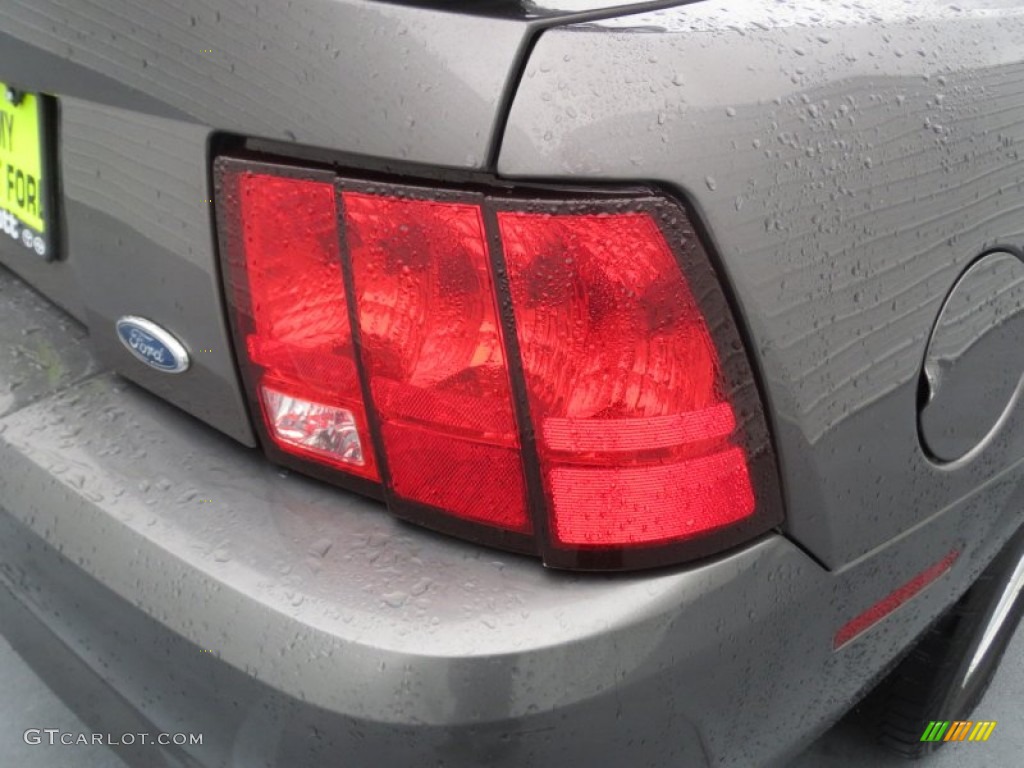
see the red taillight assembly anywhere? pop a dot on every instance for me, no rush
(559, 377)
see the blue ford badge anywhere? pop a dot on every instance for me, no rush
(152, 344)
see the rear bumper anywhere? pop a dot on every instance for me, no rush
(292, 624)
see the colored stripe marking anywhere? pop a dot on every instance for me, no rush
(864, 621)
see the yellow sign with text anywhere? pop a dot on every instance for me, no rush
(21, 159)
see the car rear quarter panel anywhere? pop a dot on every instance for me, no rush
(849, 162)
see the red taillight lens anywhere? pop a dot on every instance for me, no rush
(541, 376)
(623, 381)
(434, 357)
(290, 286)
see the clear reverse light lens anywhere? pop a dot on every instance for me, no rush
(324, 430)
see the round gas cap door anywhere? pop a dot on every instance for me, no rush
(975, 358)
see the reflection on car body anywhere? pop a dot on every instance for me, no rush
(552, 382)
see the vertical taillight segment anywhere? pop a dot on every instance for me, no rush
(561, 377)
(434, 358)
(287, 285)
(634, 429)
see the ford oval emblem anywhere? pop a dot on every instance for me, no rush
(152, 345)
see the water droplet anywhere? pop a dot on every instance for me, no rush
(320, 547)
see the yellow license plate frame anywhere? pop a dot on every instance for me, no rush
(26, 191)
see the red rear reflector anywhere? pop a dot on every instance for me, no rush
(864, 621)
(623, 381)
(299, 338)
(433, 353)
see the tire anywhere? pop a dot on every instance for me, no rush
(948, 671)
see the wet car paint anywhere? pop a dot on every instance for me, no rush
(192, 540)
(132, 531)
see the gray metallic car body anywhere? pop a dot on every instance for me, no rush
(848, 166)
